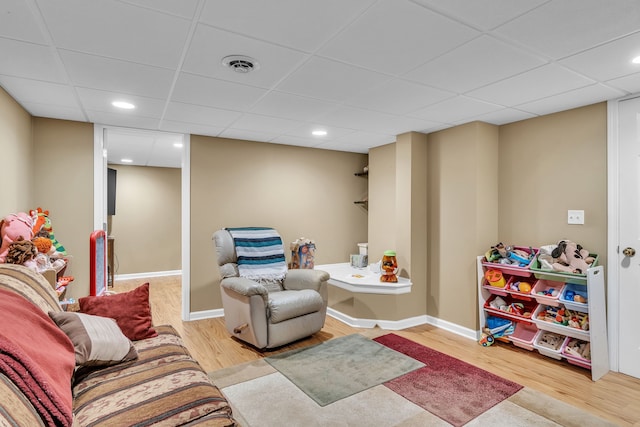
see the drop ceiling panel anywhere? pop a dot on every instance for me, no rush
(98, 72)
(192, 128)
(28, 60)
(54, 110)
(562, 28)
(247, 135)
(455, 109)
(210, 45)
(18, 22)
(183, 8)
(501, 117)
(100, 100)
(398, 96)
(541, 82)
(256, 123)
(292, 106)
(189, 113)
(192, 89)
(572, 99)
(483, 14)
(373, 121)
(124, 120)
(37, 91)
(630, 83)
(330, 80)
(481, 61)
(373, 40)
(333, 132)
(117, 30)
(301, 24)
(608, 61)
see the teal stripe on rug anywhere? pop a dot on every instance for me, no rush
(342, 367)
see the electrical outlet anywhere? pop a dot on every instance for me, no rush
(575, 217)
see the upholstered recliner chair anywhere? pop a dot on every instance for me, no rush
(265, 304)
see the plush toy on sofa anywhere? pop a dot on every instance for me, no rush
(571, 258)
(12, 227)
(22, 252)
(41, 222)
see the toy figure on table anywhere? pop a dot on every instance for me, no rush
(389, 267)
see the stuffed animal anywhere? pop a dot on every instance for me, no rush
(21, 252)
(12, 227)
(41, 222)
(43, 244)
(571, 258)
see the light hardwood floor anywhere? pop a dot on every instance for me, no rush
(615, 397)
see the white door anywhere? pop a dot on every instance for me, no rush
(628, 257)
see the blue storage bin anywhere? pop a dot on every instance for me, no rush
(567, 297)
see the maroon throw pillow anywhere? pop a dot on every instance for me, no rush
(131, 311)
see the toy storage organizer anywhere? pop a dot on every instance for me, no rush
(532, 333)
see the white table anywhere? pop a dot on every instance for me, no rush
(363, 280)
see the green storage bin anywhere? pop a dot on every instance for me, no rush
(557, 276)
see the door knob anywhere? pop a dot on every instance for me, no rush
(629, 252)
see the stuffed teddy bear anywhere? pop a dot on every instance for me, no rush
(22, 252)
(571, 258)
(12, 227)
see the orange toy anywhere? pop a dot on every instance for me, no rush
(495, 278)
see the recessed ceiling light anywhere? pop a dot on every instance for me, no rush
(126, 160)
(178, 144)
(319, 133)
(123, 104)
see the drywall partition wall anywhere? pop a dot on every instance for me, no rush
(551, 164)
(146, 226)
(16, 146)
(463, 217)
(302, 192)
(398, 221)
(63, 172)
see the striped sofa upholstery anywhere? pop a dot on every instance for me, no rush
(165, 386)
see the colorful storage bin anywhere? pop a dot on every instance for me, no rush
(548, 292)
(514, 269)
(549, 344)
(570, 297)
(523, 335)
(577, 352)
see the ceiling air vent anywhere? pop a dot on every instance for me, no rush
(240, 64)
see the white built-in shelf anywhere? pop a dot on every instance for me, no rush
(363, 280)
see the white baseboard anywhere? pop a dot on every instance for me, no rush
(206, 314)
(396, 325)
(148, 274)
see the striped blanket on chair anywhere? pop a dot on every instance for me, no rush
(260, 253)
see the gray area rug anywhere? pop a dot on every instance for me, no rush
(262, 396)
(342, 367)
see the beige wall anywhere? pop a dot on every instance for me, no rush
(63, 172)
(298, 191)
(16, 146)
(549, 165)
(146, 226)
(463, 217)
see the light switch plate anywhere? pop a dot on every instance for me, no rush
(575, 217)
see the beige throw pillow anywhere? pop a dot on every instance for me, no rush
(98, 341)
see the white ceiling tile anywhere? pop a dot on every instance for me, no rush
(342, 146)
(608, 61)
(294, 140)
(455, 109)
(210, 45)
(183, 8)
(333, 132)
(192, 89)
(97, 72)
(115, 119)
(629, 84)
(27, 90)
(394, 37)
(192, 128)
(28, 60)
(54, 110)
(18, 22)
(189, 113)
(373, 121)
(477, 63)
(563, 27)
(301, 24)
(117, 30)
(330, 80)
(500, 117)
(99, 100)
(291, 106)
(483, 14)
(572, 99)
(366, 139)
(247, 135)
(398, 96)
(268, 124)
(539, 83)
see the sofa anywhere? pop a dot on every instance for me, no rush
(63, 368)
